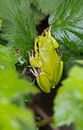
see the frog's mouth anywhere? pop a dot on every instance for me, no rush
(35, 71)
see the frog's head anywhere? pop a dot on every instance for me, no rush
(45, 40)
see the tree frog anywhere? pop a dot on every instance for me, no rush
(46, 63)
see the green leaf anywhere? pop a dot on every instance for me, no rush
(69, 101)
(46, 6)
(12, 89)
(15, 118)
(7, 58)
(67, 26)
(0, 24)
(38, 16)
(11, 86)
(10, 83)
(18, 24)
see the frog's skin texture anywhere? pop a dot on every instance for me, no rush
(46, 63)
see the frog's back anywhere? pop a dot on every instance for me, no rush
(50, 61)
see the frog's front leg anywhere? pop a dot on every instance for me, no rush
(34, 61)
(44, 82)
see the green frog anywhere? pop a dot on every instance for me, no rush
(46, 63)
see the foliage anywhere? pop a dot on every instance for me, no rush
(15, 118)
(0, 24)
(11, 86)
(67, 27)
(7, 58)
(38, 15)
(18, 24)
(46, 6)
(69, 101)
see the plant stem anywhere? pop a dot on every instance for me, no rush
(44, 122)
